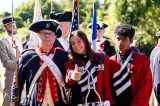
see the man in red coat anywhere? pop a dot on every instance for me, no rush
(131, 76)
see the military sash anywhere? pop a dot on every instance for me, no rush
(88, 84)
(64, 43)
(54, 69)
(121, 79)
(84, 78)
(37, 76)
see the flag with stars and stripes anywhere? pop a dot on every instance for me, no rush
(52, 8)
(75, 19)
(94, 28)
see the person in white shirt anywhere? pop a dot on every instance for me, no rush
(155, 67)
(65, 20)
(9, 52)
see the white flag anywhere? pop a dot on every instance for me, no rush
(34, 41)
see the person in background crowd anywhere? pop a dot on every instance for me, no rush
(155, 67)
(26, 43)
(43, 70)
(131, 76)
(155, 50)
(104, 44)
(65, 20)
(90, 79)
(135, 44)
(9, 51)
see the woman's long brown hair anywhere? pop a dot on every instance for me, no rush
(89, 52)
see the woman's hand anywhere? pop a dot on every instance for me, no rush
(76, 75)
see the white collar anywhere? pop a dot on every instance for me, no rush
(64, 43)
(9, 38)
(61, 38)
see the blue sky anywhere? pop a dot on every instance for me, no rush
(6, 5)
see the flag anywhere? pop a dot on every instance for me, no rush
(75, 19)
(94, 28)
(34, 41)
(52, 8)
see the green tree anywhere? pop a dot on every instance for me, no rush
(143, 15)
(25, 12)
(4, 14)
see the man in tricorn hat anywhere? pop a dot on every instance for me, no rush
(42, 70)
(131, 76)
(155, 67)
(65, 20)
(103, 43)
(8, 49)
(135, 45)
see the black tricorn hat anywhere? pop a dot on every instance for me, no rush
(62, 17)
(51, 25)
(8, 20)
(100, 25)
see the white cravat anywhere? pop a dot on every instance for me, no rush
(99, 43)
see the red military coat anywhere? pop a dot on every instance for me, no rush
(141, 78)
(103, 85)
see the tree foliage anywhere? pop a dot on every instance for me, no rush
(142, 14)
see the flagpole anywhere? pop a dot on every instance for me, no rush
(12, 17)
(51, 5)
(78, 11)
(73, 10)
(16, 99)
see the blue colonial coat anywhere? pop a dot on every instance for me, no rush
(28, 66)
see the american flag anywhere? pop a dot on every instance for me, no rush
(52, 8)
(94, 28)
(75, 19)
